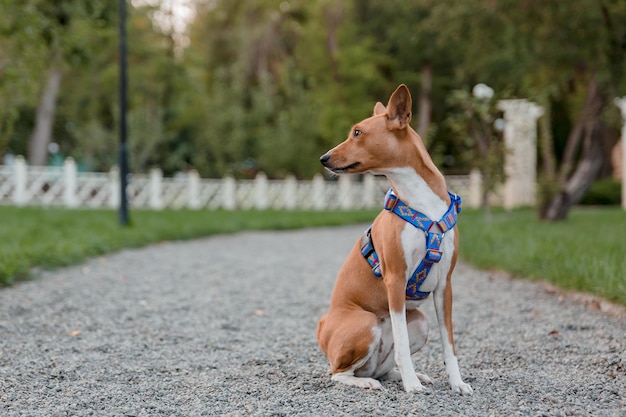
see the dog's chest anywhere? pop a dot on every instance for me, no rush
(414, 247)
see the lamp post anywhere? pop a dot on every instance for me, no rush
(123, 149)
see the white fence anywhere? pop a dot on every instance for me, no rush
(64, 186)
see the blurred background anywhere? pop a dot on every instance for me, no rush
(239, 86)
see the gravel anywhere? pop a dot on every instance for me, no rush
(226, 326)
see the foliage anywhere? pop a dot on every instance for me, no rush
(604, 192)
(36, 237)
(272, 84)
(586, 253)
(474, 128)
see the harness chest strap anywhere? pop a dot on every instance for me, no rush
(433, 240)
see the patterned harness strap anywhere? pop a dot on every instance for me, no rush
(433, 240)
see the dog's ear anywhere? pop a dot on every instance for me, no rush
(399, 108)
(379, 108)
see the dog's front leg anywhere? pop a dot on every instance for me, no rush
(402, 349)
(443, 309)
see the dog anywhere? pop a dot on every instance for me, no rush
(373, 324)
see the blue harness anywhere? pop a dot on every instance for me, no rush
(433, 240)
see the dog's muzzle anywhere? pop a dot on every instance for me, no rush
(324, 159)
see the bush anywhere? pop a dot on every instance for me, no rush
(605, 192)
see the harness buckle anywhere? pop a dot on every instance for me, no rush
(391, 200)
(369, 253)
(432, 255)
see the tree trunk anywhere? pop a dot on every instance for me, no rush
(584, 175)
(592, 108)
(333, 13)
(425, 101)
(42, 133)
(590, 131)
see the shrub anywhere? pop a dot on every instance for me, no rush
(604, 192)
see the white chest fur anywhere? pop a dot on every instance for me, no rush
(414, 247)
(413, 190)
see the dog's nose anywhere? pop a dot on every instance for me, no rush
(324, 159)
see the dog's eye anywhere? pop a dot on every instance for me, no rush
(357, 132)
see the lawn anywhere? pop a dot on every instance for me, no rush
(585, 253)
(40, 237)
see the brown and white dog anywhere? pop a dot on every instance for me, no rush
(371, 329)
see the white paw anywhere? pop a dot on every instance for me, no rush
(425, 379)
(462, 388)
(368, 383)
(415, 386)
(393, 375)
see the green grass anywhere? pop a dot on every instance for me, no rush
(39, 237)
(585, 253)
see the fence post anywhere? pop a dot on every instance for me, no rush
(69, 182)
(156, 189)
(369, 191)
(20, 178)
(260, 191)
(475, 188)
(114, 186)
(229, 189)
(318, 192)
(345, 193)
(291, 192)
(193, 189)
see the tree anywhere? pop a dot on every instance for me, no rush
(598, 72)
(475, 127)
(21, 62)
(547, 51)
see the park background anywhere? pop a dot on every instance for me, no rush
(234, 88)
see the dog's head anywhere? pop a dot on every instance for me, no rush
(378, 143)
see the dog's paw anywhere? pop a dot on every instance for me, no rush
(425, 378)
(371, 383)
(413, 386)
(393, 375)
(462, 388)
(367, 383)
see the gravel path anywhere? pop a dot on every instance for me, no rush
(226, 326)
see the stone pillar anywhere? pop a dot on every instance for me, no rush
(520, 139)
(475, 192)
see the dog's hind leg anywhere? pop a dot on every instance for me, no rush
(351, 341)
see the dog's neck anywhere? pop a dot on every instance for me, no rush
(420, 185)
(411, 188)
